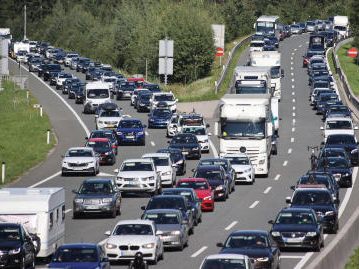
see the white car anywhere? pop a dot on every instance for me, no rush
(132, 236)
(108, 119)
(202, 136)
(60, 79)
(164, 166)
(243, 168)
(69, 58)
(338, 125)
(80, 160)
(138, 175)
(166, 97)
(179, 120)
(256, 45)
(226, 261)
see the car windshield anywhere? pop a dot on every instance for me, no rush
(333, 163)
(295, 218)
(69, 255)
(164, 97)
(130, 124)
(250, 89)
(54, 67)
(8, 233)
(339, 124)
(340, 139)
(250, 129)
(166, 113)
(196, 185)
(160, 161)
(209, 174)
(133, 229)
(247, 241)
(224, 264)
(98, 145)
(312, 198)
(327, 97)
(98, 93)
(65, 76)
(238, 160)
(222, 163)
(184, 139)
(145, 97)
(338, 109)
(183, 193)
(194, 130)
(166, 203)
(110, 113)
(163, 218)
(102, 135)
(333, 153)
(321, 84)
(275, 72)
(79, 153)
(95, 188)
(136, 166)
(314, 180)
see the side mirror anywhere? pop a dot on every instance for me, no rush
(193, 170)
(207, 125)
(168, 142)
(159, 232)
(292, 188)
(356, 127)
(86, 138)
(282, 73)
(220, 245)
(321, 128)
(184, 222)
(96, 116)
(271, 222)
(288, 200)
(116, 171)
(143, 207)
(108, 233)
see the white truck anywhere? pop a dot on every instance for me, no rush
(40, 210)
(341, 25)
(21, 46)
(272, 60)
(246, 126)
(257, 80)
(96, 93)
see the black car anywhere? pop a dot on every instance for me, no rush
(125, 89)
(333, 152)
(338, 111)
(109, 134)
(322, 101)
(189, 145)
(34, 64)
(51, 70)
(178, 159)
(143, 102)
(97, 195)
(339, 167)
(17, 249)
(103, 147)
(217, 179)
(346, 141)
(66, 85)
(81, 63)
(297, 228)
(172, 202)
(255, 244)
(76, 91)
(319, 199)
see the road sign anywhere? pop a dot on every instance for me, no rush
(218, 35)
(219, 52)
(353, 52)
(166, 48)
(165, 60)
(162, 66)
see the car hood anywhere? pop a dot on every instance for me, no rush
(317, 208)
(203, 193)
(240, 168)
(8, 245)
(168, 227)
(136, 174)
(78, 159)
(127, 130)
(109, 118)
(183, 146)
(163, 168)
(159, 118)
(131, 239)
(93, 196)
(294, 227)
(202, 137)
(74, 265)
(250, 252)
(334, 170)
(338, 131)
(215, 183)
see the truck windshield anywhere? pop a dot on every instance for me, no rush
(248, 129)
(264, 26)
(340, 28)
(251, 89)
(98, 93)
(275, 72)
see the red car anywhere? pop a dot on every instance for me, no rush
(103, 147)
(202, 189)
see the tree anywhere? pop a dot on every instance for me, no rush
(354, 20)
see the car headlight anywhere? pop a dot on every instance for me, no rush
(149, 245)
(64, 162)
(119, 133)
(275, 234)
(120, 178)
(347, 174)
(262, 259)
(196, 148)
(79, 201)
(180, 162)
(207, 198)
(107, 153)
(14, 251)
(111, 246)
(168, 173)
(219, 188)
(176, 232)
(140, 133)
(329, 213)
(247, 170)
(106, 200)
(148, 178)
(311, 234)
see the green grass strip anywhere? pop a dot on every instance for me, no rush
(350, 68)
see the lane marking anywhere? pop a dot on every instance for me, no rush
(291, 68)
(68, 210)
(293, 53)
(292, 74)
(295, 49)
(289, 151)
(153, 144)
(293, 93)
(285, 163)
(292, 140)
(293, 129)
(293, 100)
(293, 86)
(300, 46)
(146, 133)
(291, 257)
(198, 252)
(292, 79)
(293, 107)
(213, 147)
(293, 114)
(267, 190)
(291, 62)
(254, 204)
(230, 226)
(46, 179)
(102, 174)
(277, 177)
(293, 121)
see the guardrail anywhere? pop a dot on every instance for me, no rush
(225, 66)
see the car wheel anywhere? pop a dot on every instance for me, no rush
(317, 247)
(114, 213)
(75, 215)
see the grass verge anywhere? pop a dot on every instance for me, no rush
(353, 262)
(350, 68)
(23, 132)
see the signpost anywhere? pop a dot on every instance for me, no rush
(218, 36)
(165, 60)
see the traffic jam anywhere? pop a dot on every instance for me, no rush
(248, 128)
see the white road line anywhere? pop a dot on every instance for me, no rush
(198, 252)
(291, 68)
(254, 204)
(153, 144)
(230, 226)
(277, 177)
(300, 46)
(289, 151)
(146, 133)
(267, 190)
(45, 180)
(293, 100)
(102, 174)
(293, 107)
(285, 163)
(293, 120)
(293, 86)
(293, 53)
(292, 140)
(291, 257)
(213, 147)
(68, 210)
(291, 62)
(293, 114)
(293, 93)
(293, 129)
(292, 79)
(292, 74)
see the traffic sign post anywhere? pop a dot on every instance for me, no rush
(219, 53)
(165, 60)
(353, 52)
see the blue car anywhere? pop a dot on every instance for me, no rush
(80, 256)
(159, 118)
(132, 131)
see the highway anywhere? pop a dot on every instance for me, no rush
(249, 207)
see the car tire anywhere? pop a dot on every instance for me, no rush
(75, 215)
(113, 213)
(94, 172)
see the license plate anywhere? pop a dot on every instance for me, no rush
(92, 207)
(294, 240)
(130, 137)
(111, 126)
(185, 153)
(131, 182)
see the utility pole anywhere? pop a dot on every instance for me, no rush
(25, 22)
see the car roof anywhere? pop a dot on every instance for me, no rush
(339, 118)
(79, 245)
(239, 232)
(226, 256)
(212, 167)
(156, 154)
(192, 179)
(147, 160)
(296, 209)
(97, 180)
(164, 210)
(177, 190)
(167, 196)
(135, 221)
(214, 159)
(79, 148)
(131, 119)
(98, 139)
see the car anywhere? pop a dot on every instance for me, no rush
(315, 94)
(108, 116)
(178, 159)
(178, 121)
(226, 261)
(328, 105)
(81, 255)
(81, 63)
(80, 160)
(143, 102)
(131, 236)
(109, 134)
(338, 111)
(338, 125)
(97, 196)
(59, 79)
(340, 168)
(202, 136)
(256, 244)
(136, 93)
(34, 64)
(17, 249)
(125, 89)
(131, 130)
(188, 144)
(172, 202)
(171, 227)
(346, 141)
(76, 91)
(242, 166)
(167, 97)
(138, 175)
(67, 84)
(323, 99)
(217, 179)
(333, 152)
(164, 166)
(226, 164)
(192, 199)
(297, 228)
(159, 118)
(320, 199)
(69, 57)
(203, 191)
(103, 147)
(51, 71)
(296, 29)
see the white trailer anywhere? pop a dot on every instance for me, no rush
(246, 126)
(40, 210)
(341, 25)
(23, 46)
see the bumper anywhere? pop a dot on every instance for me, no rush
(307, 242)
(10, 261)
(101, 208)
(207, 205)
(142, 107)
(218, 195)
(153, 124)
(171, 241)
(137, 187)
(123, 255)
(106, 159)
(243, 177)
(166, 180)
(191, 154)
(77, 170)
(204, 146)
(138, 139)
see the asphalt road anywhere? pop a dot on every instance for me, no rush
(249, 207)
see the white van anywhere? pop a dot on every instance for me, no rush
(96, 93)
(40, 210)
